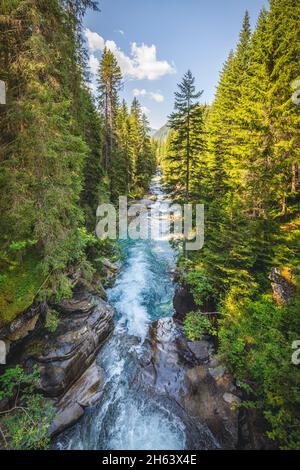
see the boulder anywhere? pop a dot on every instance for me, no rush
(216, 372)
(83, 304)
(200, 349)
(64, 356)
(21, 327)
(181, 370)
(110, 266)
(183, 301)
(231, 399)
(84, 393)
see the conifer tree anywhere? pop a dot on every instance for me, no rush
(109, 83)
(186, 123)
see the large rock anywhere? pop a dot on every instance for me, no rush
(21, 327)
(64, 356)
(183, 301)
(83, 304)
(173, 366)
(84, 393)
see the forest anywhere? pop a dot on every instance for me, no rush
(65, 150)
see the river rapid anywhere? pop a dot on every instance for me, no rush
(130, 416)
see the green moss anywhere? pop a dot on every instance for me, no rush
(33, 348)
(18, 288)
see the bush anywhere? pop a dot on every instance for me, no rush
(201, 287)
(27, 416)
(256, 343)
(196, 325)
(52, 321)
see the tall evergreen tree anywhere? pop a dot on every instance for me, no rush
(186, 122)
(109, 83)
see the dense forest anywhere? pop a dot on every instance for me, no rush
(64, 150)
(240, 157)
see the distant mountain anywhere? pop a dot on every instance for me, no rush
(153, 132)
(162, 133)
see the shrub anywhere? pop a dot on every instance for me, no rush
(197, 325)
(27, 416)
(52, 321)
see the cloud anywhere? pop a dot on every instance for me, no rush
(120, 31)
(145, 110)
(146, 64)
(142, 62)
(158, 97)
(95, 41)
(92, 87)
(93, 64)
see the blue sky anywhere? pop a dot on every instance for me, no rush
(156, 42)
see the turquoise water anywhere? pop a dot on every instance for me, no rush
(128, 416)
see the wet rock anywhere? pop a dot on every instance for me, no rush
(84, 393)
(231, 399)
(21, 327)
(99, 290)
(110, 266)
(200, 349)
(183, 301)
(81, 305)
(179, 370)
(217, 372)
(64, 356)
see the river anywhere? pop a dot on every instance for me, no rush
(128, 416)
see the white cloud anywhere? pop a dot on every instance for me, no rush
(142, 62)
(158, 97)
(136, 92)
(120, 31)
(146, 64)
(95, 41)
(145, 110)
(93, 64)
(93, 87)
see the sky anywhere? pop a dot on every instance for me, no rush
(157, 41)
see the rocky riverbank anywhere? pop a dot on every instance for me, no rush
(65, 358)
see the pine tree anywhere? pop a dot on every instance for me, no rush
(121, 166)
(186, 123)
(285, 49)
(43, 150)
(109, 83)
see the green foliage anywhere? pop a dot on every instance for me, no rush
(52, 321)
(200, 285)
(25, 420)
(256, 342)
(197, 325)
(186, 143)
(246, 172)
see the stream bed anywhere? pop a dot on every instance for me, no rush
(131, 415)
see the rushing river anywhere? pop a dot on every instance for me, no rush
(127, 416)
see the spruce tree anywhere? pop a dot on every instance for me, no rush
(109, 83)
(186, 123)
